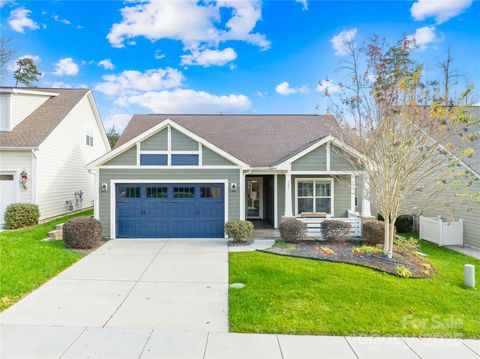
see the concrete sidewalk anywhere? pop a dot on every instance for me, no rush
(36, 342)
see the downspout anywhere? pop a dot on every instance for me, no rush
(34, 176)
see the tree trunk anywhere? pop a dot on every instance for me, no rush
(389, 236)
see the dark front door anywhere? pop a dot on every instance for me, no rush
(177, 210)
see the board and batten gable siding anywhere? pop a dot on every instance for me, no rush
(156, 142)
(126, 158)
(22, 105)
(63, 159)
(315, 160)
(469, 212)
(181, 142)
(18, 161)
(171, 174)
(211, 158)
(341, 195)
(342, 161)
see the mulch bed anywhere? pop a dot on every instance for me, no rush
(343, 253)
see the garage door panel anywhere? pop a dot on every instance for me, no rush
(170, 210)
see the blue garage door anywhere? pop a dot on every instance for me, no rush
(170, 210)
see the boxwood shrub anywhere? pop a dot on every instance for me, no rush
(240, 231)
(292, 230)
(82, 233)
(335, 231)
(403, 224)
(18, 215)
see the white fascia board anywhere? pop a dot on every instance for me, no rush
(158, 128)
(28, 92)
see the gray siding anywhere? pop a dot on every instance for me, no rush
(342, 161)
(180, 142)
(210, 158)
(157, 142)
(127, 158)
(232, 175)
(341, 196)
(315, 160)
(281, 197)
(469, 212)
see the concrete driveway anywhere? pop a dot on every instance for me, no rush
(159, 284)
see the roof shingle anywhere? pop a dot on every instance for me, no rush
(259, 140)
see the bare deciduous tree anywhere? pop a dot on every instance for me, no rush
(407, 129)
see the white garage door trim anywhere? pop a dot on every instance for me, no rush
(16, 191)
(113, 184)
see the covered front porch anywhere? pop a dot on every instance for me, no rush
(309, 197)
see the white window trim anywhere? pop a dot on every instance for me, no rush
(113, 192)
(319, 179)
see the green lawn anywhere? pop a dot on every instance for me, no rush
(26, 262)
(299, 296)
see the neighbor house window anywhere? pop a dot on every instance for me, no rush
(314, 196)
(89, 137)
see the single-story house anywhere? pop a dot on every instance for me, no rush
(47, 138)
(187, 175)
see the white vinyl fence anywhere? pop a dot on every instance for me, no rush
(444, 233)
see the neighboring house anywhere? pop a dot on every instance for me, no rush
(186, 175)
(466, 187)
(47, 138)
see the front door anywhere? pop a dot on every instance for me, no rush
(254, 198)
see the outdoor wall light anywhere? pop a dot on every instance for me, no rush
(104, 187)
(233, 187)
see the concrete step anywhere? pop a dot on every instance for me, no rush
(59, 227)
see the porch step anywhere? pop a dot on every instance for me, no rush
(56, 234)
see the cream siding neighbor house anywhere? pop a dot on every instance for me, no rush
(48, 136)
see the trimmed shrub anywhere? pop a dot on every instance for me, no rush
(335, 231)
(404, 224)
(374, 231)
(292, 230)
(82, 233)
(240, 231)
(18, 215)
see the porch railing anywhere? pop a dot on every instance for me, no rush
(314, 225)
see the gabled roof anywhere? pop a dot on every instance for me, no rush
(259, 140)
(34, 129)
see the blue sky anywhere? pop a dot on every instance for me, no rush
(224, 56)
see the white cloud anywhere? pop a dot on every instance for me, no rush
(209, 57)
(158, 54)
(119, 120)
(304, 4)
(60, 20)
(186, 101)
(66, 67)
(261, 93)
(19, 20)
(284, 89)
(328, 87)
(132, 82)
(189, 21)
(441, 10)
(106, 64)
(5, 2)
(340, 42)
(424, 36)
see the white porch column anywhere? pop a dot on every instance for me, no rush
(366, 212)
(243, 194)
(288, 195)
(275, 201)
(352, 193)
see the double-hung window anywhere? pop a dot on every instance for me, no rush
(314, 195)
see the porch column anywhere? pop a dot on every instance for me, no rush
(352, 193)
(366, 199)
(275, 201)
(288, 195)
(243, 193)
